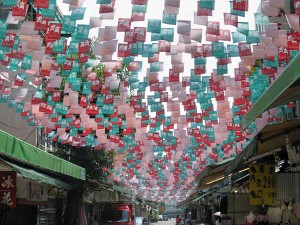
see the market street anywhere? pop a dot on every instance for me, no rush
(131, 112)
(169, 222)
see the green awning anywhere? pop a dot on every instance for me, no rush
(37, 176)
(249, 151)
(284, 89)
(14, 147)
(203, 195)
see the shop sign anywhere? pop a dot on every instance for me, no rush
(35, 192)
(262, 184)
(8, 188)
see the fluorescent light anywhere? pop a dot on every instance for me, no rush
(243, 170)
(215, 180)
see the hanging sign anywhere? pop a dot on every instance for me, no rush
(8, 188)
(35, 192)
(262, 184)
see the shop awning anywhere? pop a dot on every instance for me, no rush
(284, 89)
(191, 197)
(249, 151)
(37, 176)
(216, 174)
(269, 139)
(213, 190)
(122, 190)
(273, 136)
(16, 148)
(216, 167)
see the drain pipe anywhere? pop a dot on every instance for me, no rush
(298, 109)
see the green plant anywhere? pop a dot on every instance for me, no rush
(97, 163)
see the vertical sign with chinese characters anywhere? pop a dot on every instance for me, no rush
(8, 189)
(262, 184)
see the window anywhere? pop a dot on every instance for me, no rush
(111, 215)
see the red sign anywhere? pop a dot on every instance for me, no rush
(129, 36)
(199, 69)
(41, 3)
(1, 83)
(139, 2)
(124, 24)
(18, 81)
(244, 49)
(6, 60)
(107, 8)
(224, 35)
(230, 19)
(164, 46)
(173, 77)
(203, 11)
(9, 40)
(241, 5)
(207, 50)
(92, 109)
(83, 58)
(123, 50)
(213, 27)
(84, 46)
(41, 23)
(53, 31)
(136, 16)
(6, 90)
(8, 189)
(17, 53)
(140, 34)
(20, 9)
(37, 80)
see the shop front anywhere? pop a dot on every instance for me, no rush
(265, 175)
(34, 198)
(263, 179)
(201, 206)
(33, 183)
(270, 178)
(103, 193)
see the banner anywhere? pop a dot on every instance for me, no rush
(262, 184)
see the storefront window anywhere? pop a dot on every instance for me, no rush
(115, 216)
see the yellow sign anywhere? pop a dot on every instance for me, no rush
(262, 184)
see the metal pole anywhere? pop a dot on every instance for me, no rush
(298, 108)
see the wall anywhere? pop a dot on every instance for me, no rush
(39, 191)
(10, 121)
(287, 186)
(239, 207)
(142, 214)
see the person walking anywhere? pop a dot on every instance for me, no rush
(178, 220)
